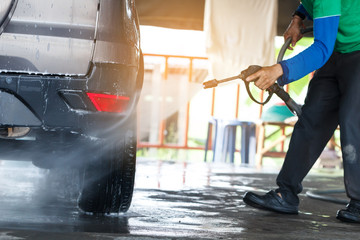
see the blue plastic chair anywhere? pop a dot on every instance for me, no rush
(225, 137)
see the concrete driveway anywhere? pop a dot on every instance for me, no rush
(171, 201)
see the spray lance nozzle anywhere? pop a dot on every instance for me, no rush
(243, 75)
(210, 84)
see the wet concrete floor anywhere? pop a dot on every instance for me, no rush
(171, 201)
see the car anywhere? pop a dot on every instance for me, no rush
(71, 73)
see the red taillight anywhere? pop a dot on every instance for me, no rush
(109, 103)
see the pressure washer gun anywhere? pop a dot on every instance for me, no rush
(275, 88)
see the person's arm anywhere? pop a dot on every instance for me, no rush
(295, 26)
(314, 57)
(302, 13)
(325, 31)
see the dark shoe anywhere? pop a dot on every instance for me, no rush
(350, 214)
(270, 201)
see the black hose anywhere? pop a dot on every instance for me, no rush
(290, 103)
(322, 195)
(287, 44)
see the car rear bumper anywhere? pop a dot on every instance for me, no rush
(60, 103)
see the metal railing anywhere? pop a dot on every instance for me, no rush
(183, 145)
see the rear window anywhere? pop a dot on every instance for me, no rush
(49, 36)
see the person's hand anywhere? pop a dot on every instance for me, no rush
(294, 31)
(266, 76)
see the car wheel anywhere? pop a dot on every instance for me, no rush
(108, 182)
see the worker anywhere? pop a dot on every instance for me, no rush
(333, 99)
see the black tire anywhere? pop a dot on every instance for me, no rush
(108, 182)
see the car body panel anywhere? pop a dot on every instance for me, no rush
(98, 52)
(41, 32)
(50, 70)
(116, 31)
(71, 72)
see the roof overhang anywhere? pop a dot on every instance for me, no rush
(189, 14)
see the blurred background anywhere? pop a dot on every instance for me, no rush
(190, 41)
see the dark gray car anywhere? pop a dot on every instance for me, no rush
(71, 72)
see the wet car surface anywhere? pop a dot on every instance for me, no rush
(71, 74)
(171, 201)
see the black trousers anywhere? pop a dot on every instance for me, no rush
(333, 99)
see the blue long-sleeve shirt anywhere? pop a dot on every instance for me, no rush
(314, 57)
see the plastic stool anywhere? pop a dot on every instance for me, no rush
(224, 140)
